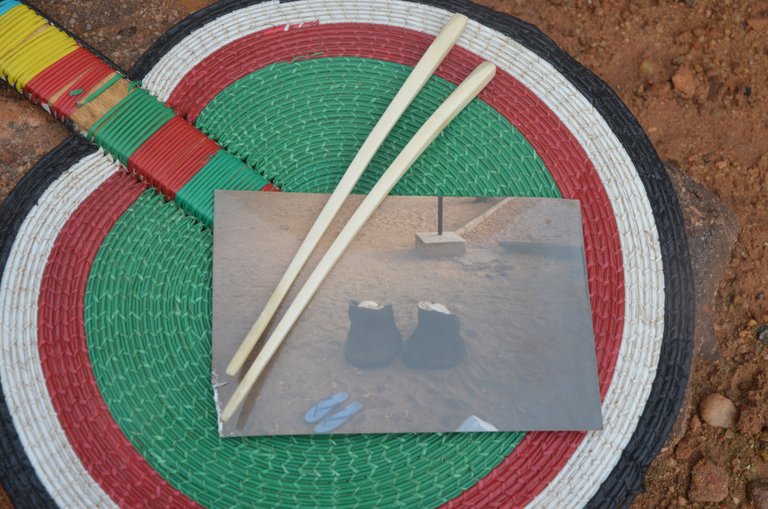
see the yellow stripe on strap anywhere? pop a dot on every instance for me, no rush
(28, 45)
(16, 25)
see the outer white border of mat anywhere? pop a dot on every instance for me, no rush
(26, 394)
(57, 465)
(635, 370)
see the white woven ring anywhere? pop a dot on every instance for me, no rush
(26, 393)
(633, 377)
(575, 484)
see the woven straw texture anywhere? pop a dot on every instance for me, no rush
(105, 294)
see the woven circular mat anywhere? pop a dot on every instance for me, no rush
(106, 288)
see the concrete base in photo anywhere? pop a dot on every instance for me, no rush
(433, 245)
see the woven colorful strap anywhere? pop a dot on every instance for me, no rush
(52, 69)
(105, 294)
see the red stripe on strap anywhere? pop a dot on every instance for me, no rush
(95, 437)
(172, 156)
(79, 71)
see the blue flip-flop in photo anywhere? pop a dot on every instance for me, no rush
(332, 422)
(323, 407)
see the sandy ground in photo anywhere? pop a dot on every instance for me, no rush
(523, 309)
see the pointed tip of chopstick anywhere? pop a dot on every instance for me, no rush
(237, 361)
(226, 414)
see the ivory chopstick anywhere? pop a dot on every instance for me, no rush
(431, 59)
(434, 125)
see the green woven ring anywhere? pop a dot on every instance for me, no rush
(148, 313)
(299, 123)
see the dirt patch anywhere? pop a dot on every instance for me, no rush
(712, 121)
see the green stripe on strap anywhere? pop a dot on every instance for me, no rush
(223, 171)
(129, 123)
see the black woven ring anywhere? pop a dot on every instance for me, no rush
(625, 481)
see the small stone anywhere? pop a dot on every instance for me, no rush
(718, 411)
(751, 420)
(709, 483)
(695, 425)
(35, 121)
(127, 32)
(682, 501)
(758, 492)
(8, 155)
(650, 71)
(684, 82)
(743, 379)
(762, 334)
(683, 451)
(758, 23)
